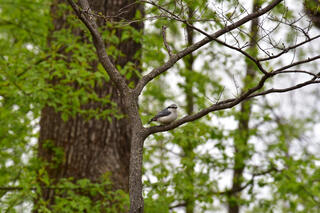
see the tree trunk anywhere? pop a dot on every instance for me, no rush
(95, 147)
(188, 149)
(241, 141)
(136, 199)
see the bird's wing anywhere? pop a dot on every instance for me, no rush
(162, 113)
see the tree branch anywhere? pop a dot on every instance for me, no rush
(177, 205)
(90, 22)
(229, 103)
(306, 83)
(215, 39)
(164, 36)
(157, 71)
(297, 63)
(288, 49)
(226, 104)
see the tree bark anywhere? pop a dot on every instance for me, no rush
(139, 134)
(135, 181)
(95, 147)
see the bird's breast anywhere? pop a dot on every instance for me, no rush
(167, 119)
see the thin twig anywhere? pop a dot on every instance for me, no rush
(285, 50)
(163, 29)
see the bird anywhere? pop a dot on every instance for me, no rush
(167, 115)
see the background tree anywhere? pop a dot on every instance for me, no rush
(96, 146)
(241, 138)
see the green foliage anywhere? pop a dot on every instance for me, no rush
(70, 196)
(32, 76)
(22, 39)
(80, 197)
(312, 6)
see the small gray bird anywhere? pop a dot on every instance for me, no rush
(167, 115)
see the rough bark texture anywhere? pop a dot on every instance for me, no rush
(93, 147)
(136, 199)
(241, 141)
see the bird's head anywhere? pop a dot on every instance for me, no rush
(172, 107)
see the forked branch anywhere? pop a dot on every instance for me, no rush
(251, 93)
(83, 12)
(176, 57)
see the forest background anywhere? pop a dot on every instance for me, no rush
(79, 81)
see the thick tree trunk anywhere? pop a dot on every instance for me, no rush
(94, 147)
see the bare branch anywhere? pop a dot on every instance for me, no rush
(297, 63)
(178, 205)
(306, 83)
(163, 29)
(215, 107)
(296, 71)
(157, 71)
(229, 103)
(285, 50)
(225, 44)
(89, 21)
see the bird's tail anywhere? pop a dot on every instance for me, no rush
(153, 119)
